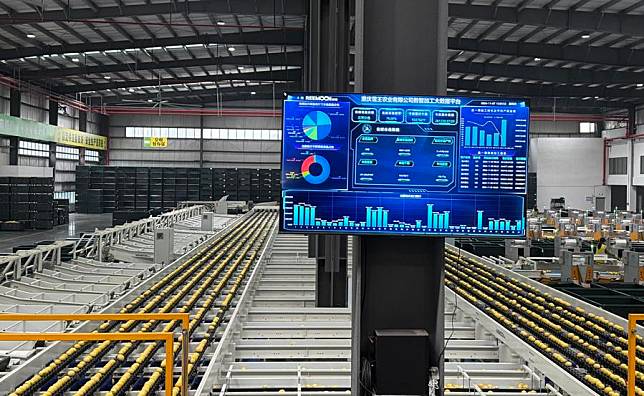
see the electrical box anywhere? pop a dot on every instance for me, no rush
(163, 246)
(221, 206)
(207, 221)
(401, 362)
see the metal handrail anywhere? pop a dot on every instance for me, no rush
(632, 343)
(167, 337)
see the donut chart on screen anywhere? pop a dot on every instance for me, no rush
(316, 125)
(318, 176)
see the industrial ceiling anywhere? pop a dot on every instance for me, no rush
(567, 55)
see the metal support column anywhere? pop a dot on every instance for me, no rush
(53, 112)
(82, 121)
(53, 120)
(15, 102)
(52, 158)
(103, 129)
(14, 142)
(201, 141)
(401, 47)
(328, 70)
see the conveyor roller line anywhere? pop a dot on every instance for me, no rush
(198, 354)
(206, 305)
(153, 297)
(144, 357)
(206, 280)
(518, 306)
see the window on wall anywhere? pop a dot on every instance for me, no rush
(91, 156)
(617, 166)
(208, 133)
(172, 133)
(33, 149)
(67, 153)
(242, 134)
(587, 127)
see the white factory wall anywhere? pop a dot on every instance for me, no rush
(618, 149)
(633, 150)
(217, 153)
(35, 107)
(564, 169)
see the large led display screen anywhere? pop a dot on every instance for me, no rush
(410, 165)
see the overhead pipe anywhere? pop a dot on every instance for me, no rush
(575, 117)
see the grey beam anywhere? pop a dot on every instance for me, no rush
(570, 105)
(278, 75)
(268, 37)
(542, 73)
(547, 90)
(274, 59)
(571, 53)
(241, 7)
(616, 23)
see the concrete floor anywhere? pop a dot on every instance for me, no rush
(78, 223)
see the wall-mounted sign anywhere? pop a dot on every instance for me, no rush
(155, 142)
(26, 129)
(72, 137)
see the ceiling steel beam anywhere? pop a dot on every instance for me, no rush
(208, 93)
(571, 53)
(609, 22)
(274, 59)
(542, 73)
(548, 90)
(279, 75)
(240, 7)
(269, 37)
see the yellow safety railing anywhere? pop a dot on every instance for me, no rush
(632, 342)
(166, 337)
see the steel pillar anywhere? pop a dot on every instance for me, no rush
(327, 70)
(53, 112)
(82, 121)
(401, 47)
(15, 102)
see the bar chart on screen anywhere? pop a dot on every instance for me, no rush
(492, 128)
(422, 218)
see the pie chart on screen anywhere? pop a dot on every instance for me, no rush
(316, 125)
(315, 169)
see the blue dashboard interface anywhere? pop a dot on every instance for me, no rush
(412, 165)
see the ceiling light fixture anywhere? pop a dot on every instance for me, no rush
(221, 23)
(537, 59)
(31, 36)
(149, 100)
(585, 36)
(75, 60)
(131, 90)
(231, 49)
(253, 93)
(640, 85)
(107, 77)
